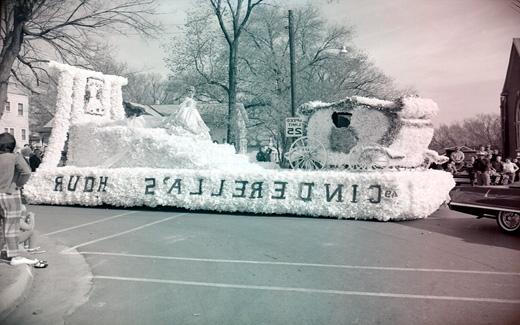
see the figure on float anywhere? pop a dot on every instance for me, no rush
(185, 122)
(188, 118)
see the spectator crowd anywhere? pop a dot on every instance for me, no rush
(487, 167)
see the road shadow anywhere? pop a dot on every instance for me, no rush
(466, 227)
(443, 221)
(172, 209)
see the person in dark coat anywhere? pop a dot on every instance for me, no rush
(35, 160)
(262, 154)
(482, 167)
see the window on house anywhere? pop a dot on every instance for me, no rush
(24, 134)
(20, 109)
(11, 130)
(6, 129)
(7, 106)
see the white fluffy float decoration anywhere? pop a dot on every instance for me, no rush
(119, 162)
(368, 195)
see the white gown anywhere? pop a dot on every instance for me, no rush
(188, 119)
(186, 122)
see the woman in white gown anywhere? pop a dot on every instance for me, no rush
(188, 119)
(186, 122)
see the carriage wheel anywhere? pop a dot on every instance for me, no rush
(307, 154)
(373, 157)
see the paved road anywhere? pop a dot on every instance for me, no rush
(181, 267)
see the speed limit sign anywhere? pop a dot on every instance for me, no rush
(293, 127)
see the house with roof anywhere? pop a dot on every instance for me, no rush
(510, 103)
(15, 119)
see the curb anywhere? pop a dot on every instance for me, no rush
(15, 293)
(57, 290)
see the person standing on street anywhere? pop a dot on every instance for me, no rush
(26, 153)
(35, 160)
(14, 173)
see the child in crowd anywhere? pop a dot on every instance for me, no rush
(26, 236)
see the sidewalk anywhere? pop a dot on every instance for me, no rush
(15, 283)
(44, 296)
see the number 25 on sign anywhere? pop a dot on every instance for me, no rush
(293, 127)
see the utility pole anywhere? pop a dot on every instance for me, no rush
(291, 56)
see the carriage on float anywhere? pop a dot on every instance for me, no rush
(361, 134)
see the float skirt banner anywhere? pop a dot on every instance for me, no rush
(388, 195)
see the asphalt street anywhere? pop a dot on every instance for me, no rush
(171, 266)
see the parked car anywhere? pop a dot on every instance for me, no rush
(498, 202)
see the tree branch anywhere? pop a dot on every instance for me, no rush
(216, 4)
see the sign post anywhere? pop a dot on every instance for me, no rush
(293, 127)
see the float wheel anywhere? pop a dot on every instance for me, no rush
(305, 153)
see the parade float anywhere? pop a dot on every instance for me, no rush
(359, 158)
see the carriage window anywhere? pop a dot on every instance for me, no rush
(341, 119)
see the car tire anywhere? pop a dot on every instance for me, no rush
(509, 222)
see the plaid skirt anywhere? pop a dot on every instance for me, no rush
(10, 212)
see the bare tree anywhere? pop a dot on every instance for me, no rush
(515, 4)
(322, 72)
(146, 88)
(473, 132)
(33, 30)
(198, 58)
(263, 85)
(233, 17)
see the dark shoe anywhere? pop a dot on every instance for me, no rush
(40, 265)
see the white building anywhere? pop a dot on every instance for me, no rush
(15, 119)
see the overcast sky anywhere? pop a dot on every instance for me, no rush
(453, 51)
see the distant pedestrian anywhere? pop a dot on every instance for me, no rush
(471, 170)
(488, 150)
(262, 154)
(510, 169)
(451, 168)
(457, 156)
(516, 161)
(481, 151)
(35, 160)
(482, 168)
(26, 153)
(495, 154)
(497, 170)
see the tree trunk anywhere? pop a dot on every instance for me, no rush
(232, 94)
(11, 46)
